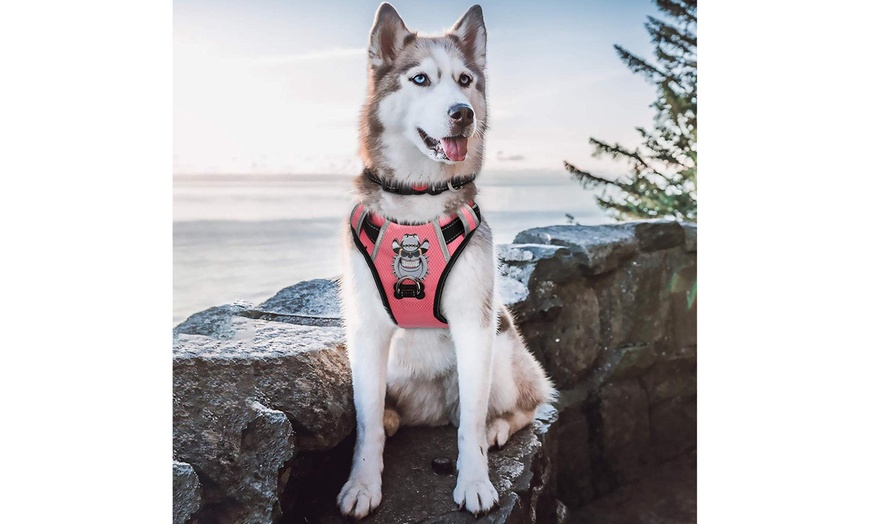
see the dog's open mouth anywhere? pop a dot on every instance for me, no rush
(453, 148)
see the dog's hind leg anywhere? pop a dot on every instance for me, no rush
(392, 421)
(519, 384)
(501, 428)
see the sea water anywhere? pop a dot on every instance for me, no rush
(244, 237)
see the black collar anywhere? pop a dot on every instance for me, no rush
(454, 184)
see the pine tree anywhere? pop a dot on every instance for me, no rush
(662, 182)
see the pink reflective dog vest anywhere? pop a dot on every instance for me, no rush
(410, 263)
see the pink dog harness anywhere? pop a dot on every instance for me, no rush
(410, 263)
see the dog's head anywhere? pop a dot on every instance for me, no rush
(426, 111)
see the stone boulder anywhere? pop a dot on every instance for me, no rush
(611, 312)
(691, 237)
(666, 497)
(581, 292)
(596, 249)
(215, 322)
(186, 492)
(243, 406)
(310, 303)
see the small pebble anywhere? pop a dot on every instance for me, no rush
(442, 466)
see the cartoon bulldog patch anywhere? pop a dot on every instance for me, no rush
(410, 264)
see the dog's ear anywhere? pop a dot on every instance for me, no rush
(471, 32)
(387, 37)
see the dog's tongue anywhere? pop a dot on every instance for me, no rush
(455, 148)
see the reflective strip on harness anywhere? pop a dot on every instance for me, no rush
(410, 263)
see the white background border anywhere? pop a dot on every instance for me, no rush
(86, 160)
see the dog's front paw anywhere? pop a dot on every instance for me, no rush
(477, 496)
(358, 499)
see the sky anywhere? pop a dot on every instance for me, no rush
(276, 86)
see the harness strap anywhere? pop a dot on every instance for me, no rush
(356, 218)
(456, 227)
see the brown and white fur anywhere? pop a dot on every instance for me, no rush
(477, 374)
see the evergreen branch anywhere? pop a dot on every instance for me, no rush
(664, 33)
(587, 179)
(680, 9)
(616, 151)
(637, 64)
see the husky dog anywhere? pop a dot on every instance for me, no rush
(423, 127)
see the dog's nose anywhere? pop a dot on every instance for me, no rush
(462, 114)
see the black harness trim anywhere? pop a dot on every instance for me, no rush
(372, 231)
(440, 288)
(374, 271)
(451, 231)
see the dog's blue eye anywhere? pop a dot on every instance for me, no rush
(464, 80)
(420, 80)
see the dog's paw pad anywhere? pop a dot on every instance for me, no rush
(357, 499)
(498, 432)
(478, 496)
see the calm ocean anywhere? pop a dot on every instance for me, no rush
(246, 237)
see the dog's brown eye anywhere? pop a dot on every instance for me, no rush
(464, 80)
(420, 80)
